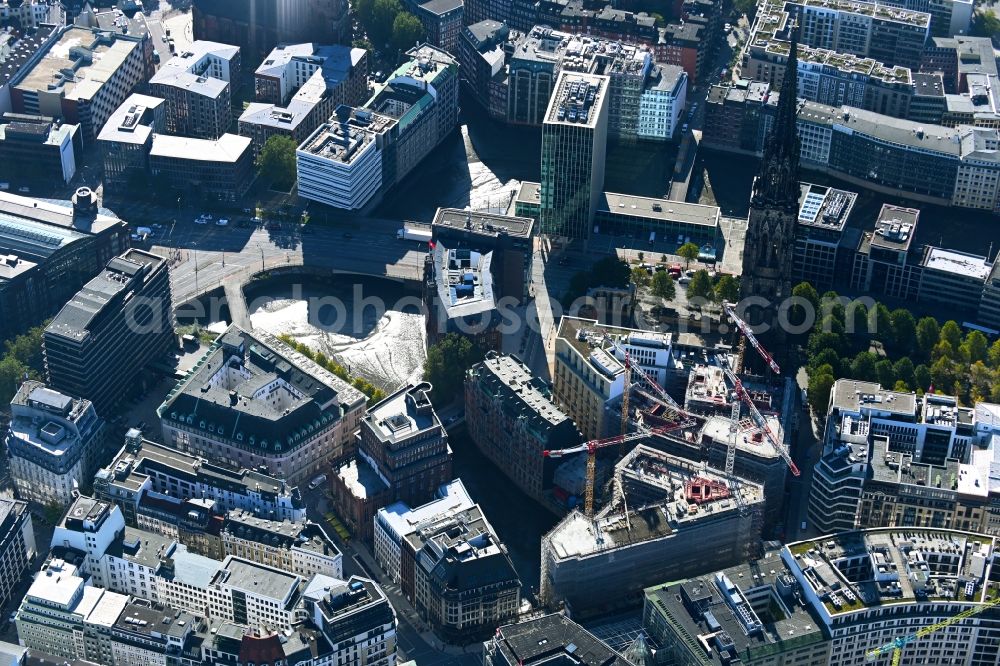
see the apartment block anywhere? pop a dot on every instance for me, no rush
(460, 297)
(127, 138)
(82, 77)
(17, 546)
(298, 87)
(666, 504)
(67, 619)
(442, 21)
(216, 169)
(590, 371)
(39, 147)
(300, 547)
(393, 523)
(821, 248)
(197, 85)
(253, 402)
(482, 53)
(512, 419)
(745, 612)
(402, 455)
(36, 279)
(353, 160)
(122, 320)
(144, 470)
(55, 444)
(464, 583)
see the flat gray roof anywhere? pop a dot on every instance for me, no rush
(228, 148)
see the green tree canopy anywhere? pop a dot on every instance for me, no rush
(882, 329)
(975, 347)
(700, 286)
(727, 289)
(904, 331)
(640, 277)
(820, 340)
(688, 252)
(807, 291)
(446, 363)
(986, 24)
(276, 161)
(928, 334)
(922, 377)
(885, 374)
(903, 370)
(406, 31)
(863, 367)
(993, 356)
(818, 390)
(826, 357)
(952, 333)
(383, 19)
(663, 285)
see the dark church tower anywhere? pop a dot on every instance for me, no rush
(769, 250)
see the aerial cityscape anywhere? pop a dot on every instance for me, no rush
(499, 333)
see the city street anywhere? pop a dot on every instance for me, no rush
(205, 254)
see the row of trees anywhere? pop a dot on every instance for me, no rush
(702, 285)
(911, 354)
(373, 392)
(387, 23)
(22, 358)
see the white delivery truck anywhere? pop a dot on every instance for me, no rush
(414, 233)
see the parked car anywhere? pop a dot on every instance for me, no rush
(221, 222)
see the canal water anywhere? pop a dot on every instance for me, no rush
(366, 325)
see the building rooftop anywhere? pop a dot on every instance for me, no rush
(825, 207)
(252, 389)
(24, 49)
(484, 224)
(582, 53)
(258, 579)
(154, 620)
(402, 415)
(37, 430)
(31, 230)
(132, 121)
(286, 534)
(852, 571)
(658, 209)
(361, 479)
(462, 552)
(228, 148)
(348, 135)
(895, 228)
(529, 396)
(577, 99)
(187, 68)
(749, 610)
(856, 396)
(464, 280)
(451, 498)
(102, 296)
(133, 466)
(78, 63)
(552, 639)
(689, 493)
(957, 263)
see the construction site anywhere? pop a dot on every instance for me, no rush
(712, 470)
(664, 505)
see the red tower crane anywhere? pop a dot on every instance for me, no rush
(591, 448)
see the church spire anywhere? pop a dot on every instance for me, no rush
(777, 183)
